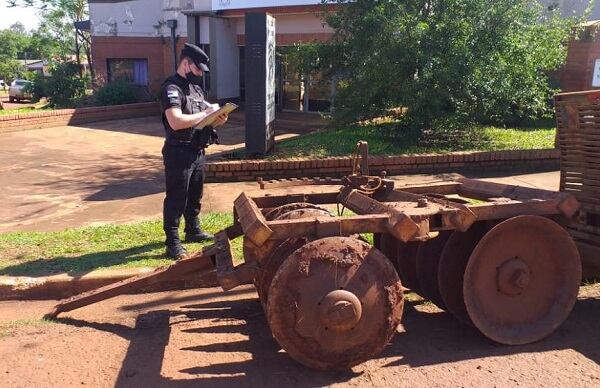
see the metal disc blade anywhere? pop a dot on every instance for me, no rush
(522, 280)
(253, 252)
(280, 210)
(272, 264)
(273, 252)
(334, 303)
(428, 260)
(404, 257)
(451, 269)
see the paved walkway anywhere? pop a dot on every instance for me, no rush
(111, 172)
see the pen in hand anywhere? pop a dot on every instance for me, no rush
(208, 105)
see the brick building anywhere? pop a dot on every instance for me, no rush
(133, 40)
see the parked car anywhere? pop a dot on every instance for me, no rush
(18, 90)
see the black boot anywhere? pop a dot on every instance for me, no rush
(176, 251)
(198, 236)
(193, 232)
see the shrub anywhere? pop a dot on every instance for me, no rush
(64, 86)
(116, 93)
(39, 87)
(472, 60)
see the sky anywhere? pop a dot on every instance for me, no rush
(9, 16)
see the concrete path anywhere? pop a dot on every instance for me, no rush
(111, 172)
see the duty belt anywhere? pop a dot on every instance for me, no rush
(184, 143)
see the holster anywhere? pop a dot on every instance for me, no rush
(204, 137)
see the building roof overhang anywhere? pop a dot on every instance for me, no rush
(276, 10)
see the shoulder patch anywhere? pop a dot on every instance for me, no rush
(172, 93)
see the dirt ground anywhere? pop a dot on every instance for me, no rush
(98, 173)
(206, 338)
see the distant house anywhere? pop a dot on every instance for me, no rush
(34, 65)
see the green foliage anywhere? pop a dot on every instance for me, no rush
(472, 60)
(55, 38)
(9, 70)
(39, 87)
(116, 93)
(64, 86)
(12, 43)
(29, 75)
(303, 59)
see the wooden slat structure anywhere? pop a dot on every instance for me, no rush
(578, 137)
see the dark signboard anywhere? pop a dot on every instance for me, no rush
(260, 82)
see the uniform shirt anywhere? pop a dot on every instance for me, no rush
(178, 92)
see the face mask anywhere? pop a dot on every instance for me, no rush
(193, 78)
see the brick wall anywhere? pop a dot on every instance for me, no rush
(158, 51)
(578, 71)
(9, 123)
(248, 170)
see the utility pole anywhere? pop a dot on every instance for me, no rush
(172, 24)
(77, 53)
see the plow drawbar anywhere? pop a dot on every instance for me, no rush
(498, 257)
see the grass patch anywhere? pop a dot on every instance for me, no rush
(77, 251)
(8, 327)
(30, 109)
(385, 139)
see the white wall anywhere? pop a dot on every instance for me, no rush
(140, 18)
(578, 7)
(575, 7)
(204, 30)
(306, 23)
(224, 59)
(218, 5)
(147, 18)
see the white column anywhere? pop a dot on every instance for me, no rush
(224, 59)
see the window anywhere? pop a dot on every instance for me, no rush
(128, 70)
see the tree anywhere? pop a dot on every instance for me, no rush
(19, 28)
(55, 26)
(9, 69)
(58, 18)
(13, 45)
(471, 60)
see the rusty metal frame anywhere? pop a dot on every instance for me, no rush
(578, 138)
(413, 213)
(410, 213)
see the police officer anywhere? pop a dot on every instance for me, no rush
(183, 107)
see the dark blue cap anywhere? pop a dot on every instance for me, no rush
(197, 55)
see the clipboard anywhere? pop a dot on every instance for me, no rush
(208, 120)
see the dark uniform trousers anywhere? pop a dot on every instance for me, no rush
(184, 173)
